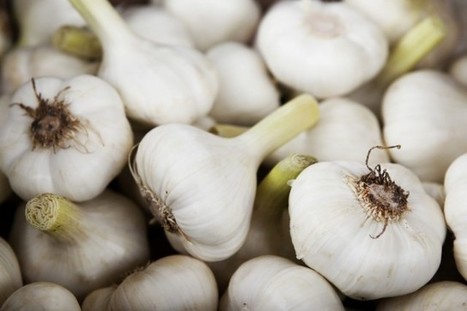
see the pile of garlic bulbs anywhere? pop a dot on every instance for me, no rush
(233, 155)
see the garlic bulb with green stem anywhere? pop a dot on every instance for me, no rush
(241, 70)
(372, 232)
(176, 282)
(275, 283)
(81, 246)
(69, 137)
(425, 112)
(455, 210)
(10, 273)
(35, 23)
(269, 228)
(159, 83)
(22, 63)
(201, 187)
(325, 49)
(213, 22)
(442, 295)
(41, 296)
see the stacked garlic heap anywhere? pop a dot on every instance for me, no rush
(226, 155)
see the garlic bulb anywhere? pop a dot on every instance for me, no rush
(241, 70)
(458, 69)
(175, 282)
(443, 295)
(372, 232)
(35, 25)
(69, 137)
(424, 111)
(213, 22)
(22, 63)
(81, 246)
(201, 187)
(455, 210)
(154, 23)
(158, 83)
(346, 131)
(269, 229)
(41, 296)
(274, 283)
(10, 273)
(325, 49)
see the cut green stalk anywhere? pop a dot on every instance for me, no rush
(279, 127)
(273, 191)
(77, 41)
(55, 215)
(412, 48)
(227, 130)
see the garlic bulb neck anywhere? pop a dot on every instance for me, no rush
(77, 41)
(381, 198)
(53, 125)
(55, 215)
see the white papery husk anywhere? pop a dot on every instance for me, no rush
(332, 233)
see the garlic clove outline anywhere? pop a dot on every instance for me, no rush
(175, 282)
(10, 273)
(69, 137)
(366, 250)
(158, 83)
(274, 283)
(81, 246)
(201, 187)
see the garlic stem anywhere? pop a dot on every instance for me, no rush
(280, 126)
(104, 21)
(412, 48)
(273, 191)
(77, 41)
(55, 215)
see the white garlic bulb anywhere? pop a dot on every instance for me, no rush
(425, 112)
(241, 70)
(158, 83)
(154, 23)
(69, 137)
(458, 69)
(325, 49)
(22, 63)
(442, 295)
(10, 273)
(455, 210)
(175, 282)
(41, 296)
(274, 283)
(35, 23)
(372, 232)
(346, 131)
(213, 22)
(81, 246)
(201, 187)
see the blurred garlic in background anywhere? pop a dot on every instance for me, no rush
(10, 273)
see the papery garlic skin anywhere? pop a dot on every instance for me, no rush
(154, 23)
(365, 257)
(10, 273)
(35, 24)
(87, 155)
(108, 240)
(158, 83)
(325, 49)
(246, 91)
(213, 22)
(458, 69)
(22, 63)
(443, 295)
(455, 210)
(436, 191)
(346, 131)
(275, 283)
(425, 111)
(41, 296)
(175, 282)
